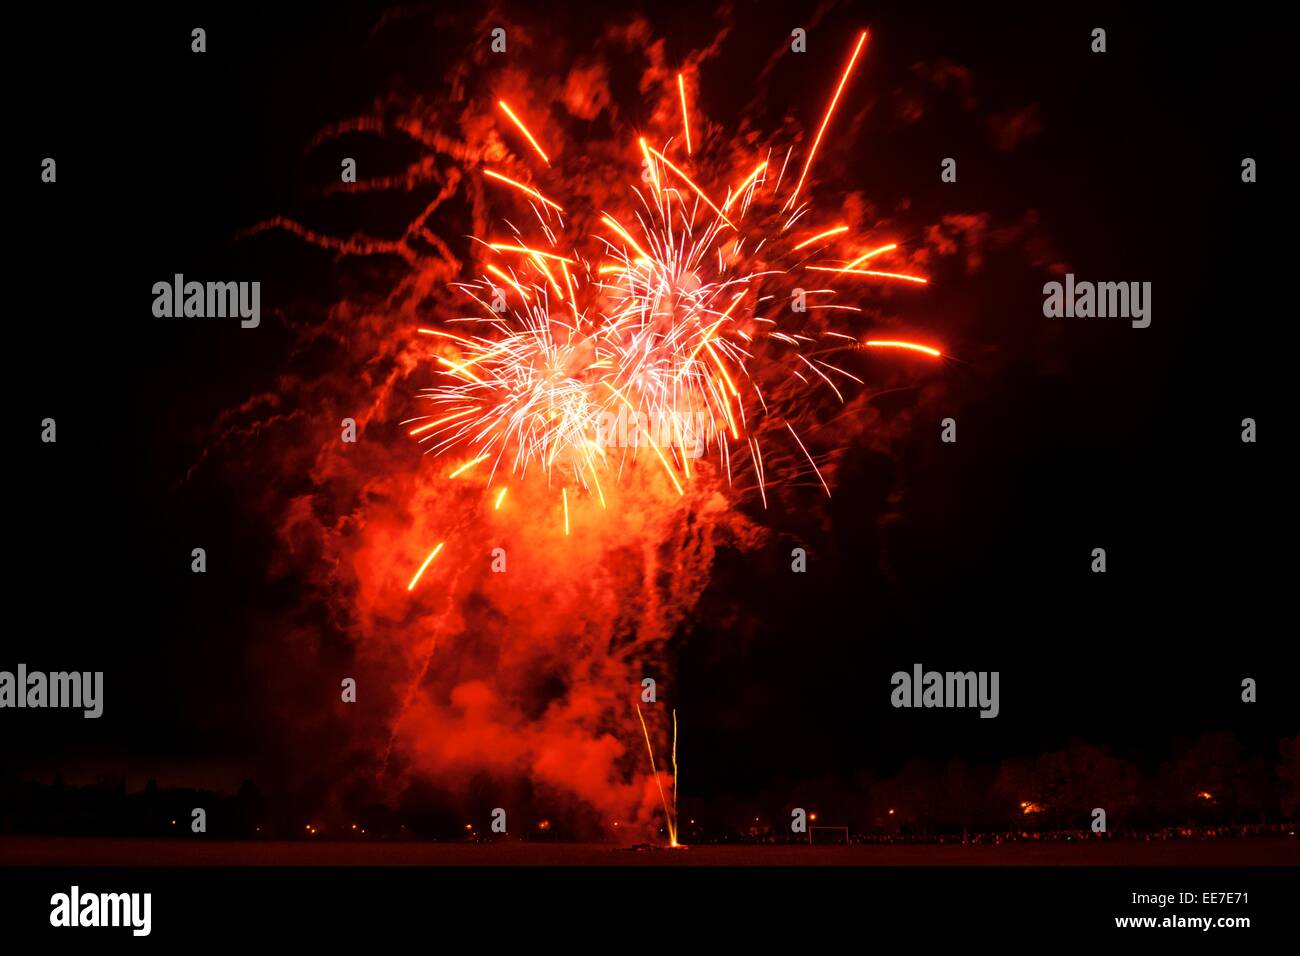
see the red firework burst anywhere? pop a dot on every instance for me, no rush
(673, 319)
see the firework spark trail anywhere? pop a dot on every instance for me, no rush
(913, 346)
(432, 554)
(676, 775)
(670, 815)
(523, 129)
(812, 153)
(822, 235)
(686, 119)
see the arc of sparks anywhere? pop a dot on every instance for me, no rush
(871, 255)
(434, 424)
(427, 561)
(613, 223)
(505, 278)
(898, 344)
(868, 272)
(506, 247)
(523, 129)
(468, 465)
(744, 183)
(821, 235)
(520, 186)
(862, 39)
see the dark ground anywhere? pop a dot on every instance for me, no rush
(70, 851)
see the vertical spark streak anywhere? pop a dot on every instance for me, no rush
(668, 815)
(564, 494)
(676, 778)
(686, 120)
(862, 38)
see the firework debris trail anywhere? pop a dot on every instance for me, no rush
(670, 812)
(666, 301)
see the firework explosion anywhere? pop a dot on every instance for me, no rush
(634, 354)
(683, 315)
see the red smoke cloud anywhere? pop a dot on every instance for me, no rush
(522, 683)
